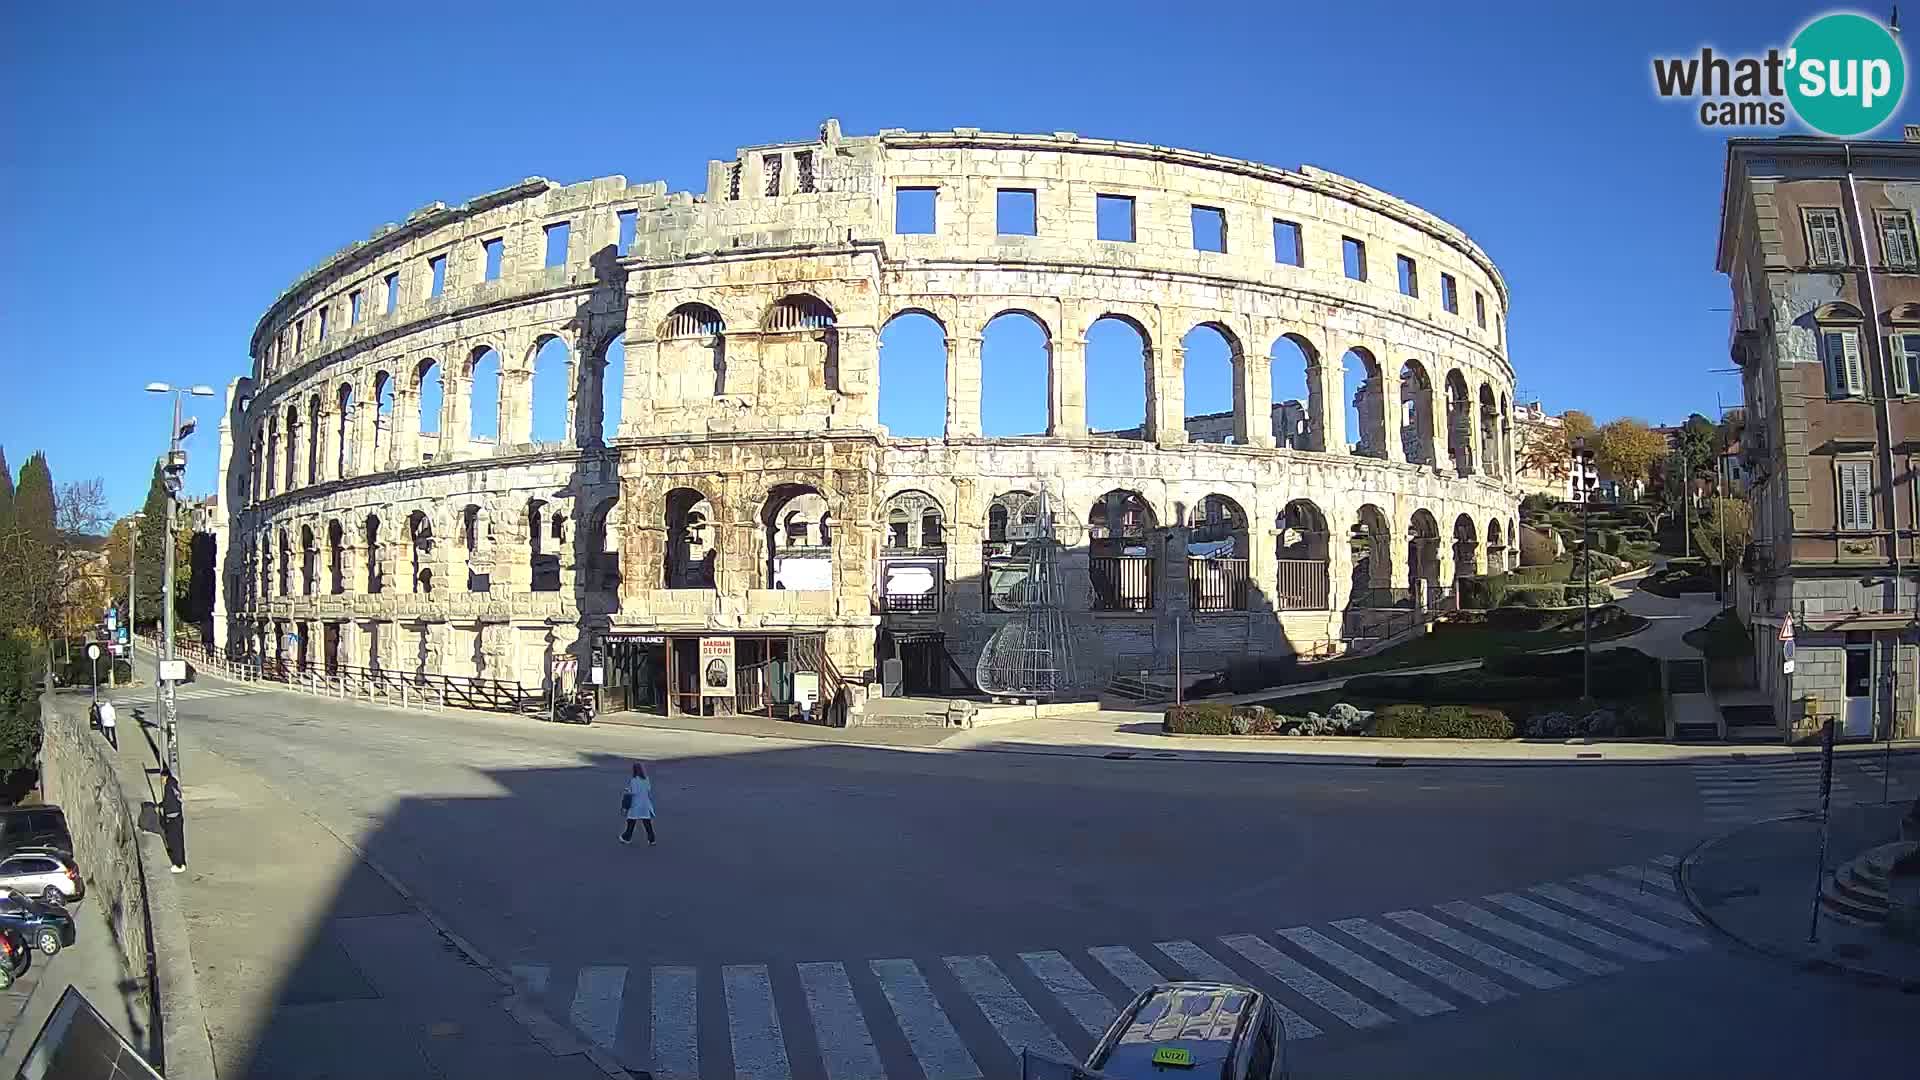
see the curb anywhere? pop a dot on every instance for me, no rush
(1858, 973)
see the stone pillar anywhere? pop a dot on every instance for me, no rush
(1253, 400)
(966, 530)
(1327, 408)
(1475, 462)
(406, 429)
(516, 405)
(1067, 388)
(1340, 559)
(963, 387)
(1166, 395)
(456, 415)
(1388, 400)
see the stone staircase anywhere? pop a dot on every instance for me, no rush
(1857, 893)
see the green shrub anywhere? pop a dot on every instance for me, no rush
(1540, 575)
(1199, 718)
(79, 671)
(1480, 592)
(1537, 503)
(1253, 720)
(1536, 596)
(1441, 722)
(1617, 672)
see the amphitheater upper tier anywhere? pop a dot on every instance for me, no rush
(722, 471)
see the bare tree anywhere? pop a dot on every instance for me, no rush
(80, 517)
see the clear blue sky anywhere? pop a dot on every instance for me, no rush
(166, 172)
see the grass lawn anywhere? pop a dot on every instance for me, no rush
(1447, 643)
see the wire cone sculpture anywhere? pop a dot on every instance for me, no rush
(1031, 655)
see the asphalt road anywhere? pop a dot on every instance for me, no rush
(834, 911)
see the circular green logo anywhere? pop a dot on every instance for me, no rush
(1847, 74)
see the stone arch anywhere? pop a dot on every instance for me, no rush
(545, 525)
(1213, 374)
(381, 398)
(601, 542)
(800, 531)
(309, 561)
(315, 429)
(1016, 374)
(420, 551)
(693, 532)
(913, 541)
(477, 543)
(913, 389)
(1297, 415)
(1366, 400)
(1110, 371)
(1121, 543)
(1371, 544)
(429, 397)
(1423, 552)
(484, 399)
(376, 561)
(1496, 547)
(1466, 547)
(1459, 423)
(609, 382)
(912, 520)
(1489, 428)
(292, 435)
(1506, 436)
(338, 568)
(799, 334)
(550, 384)
(1217, 555)
(693, 353)
(1415, 415)
(1303, 551)
(346, 460)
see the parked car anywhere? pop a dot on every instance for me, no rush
(46, 927)
(1197, 1028)
(34, 826)
(14, 955)
(43, 872)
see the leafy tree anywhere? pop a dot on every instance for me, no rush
(1699, 443)
(1730, 517)
(19, 703)
(6, 492)
(1578, 424)
(1625, 447)
(1545, 450)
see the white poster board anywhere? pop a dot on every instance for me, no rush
(716, 667)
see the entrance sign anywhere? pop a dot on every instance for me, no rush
(716, 667)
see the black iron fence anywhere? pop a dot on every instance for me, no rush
(1122, 582)
(1302, 585)
(1217, 584)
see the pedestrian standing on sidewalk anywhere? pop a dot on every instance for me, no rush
(638, 804)
(106, 724)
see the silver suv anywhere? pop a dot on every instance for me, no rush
(43, 872)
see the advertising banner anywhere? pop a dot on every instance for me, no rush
(716, 667)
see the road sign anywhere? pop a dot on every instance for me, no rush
(93, 651)
(1786, 629)
(173, 670)
(1786, 656)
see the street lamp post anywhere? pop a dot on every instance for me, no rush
(1585, 479)
(173, 803)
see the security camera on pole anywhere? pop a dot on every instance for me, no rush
(171, 669)
(1586, 481)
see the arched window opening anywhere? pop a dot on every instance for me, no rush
(420, 550)
(1215, 403)
(286, 565)
(799, 336)
(266, 566)
(336, 558)
(693, 354)
(1004, 551)
(1016, 356)
(603, 549)
(913, 564)
(692, 551)
(483, 401)
(1506, 438)
(314, 430)
(799, 528)
(1301, 548)
(476, 537)
(612, 386)
(1466, 548)
(346, 461)
(371, 533)
(1496, 547)
(431, 401)
(1121, 565)
(913, 376)
(1217, 556)
(1294, 372)
(1459, 423)
(543, 553)
(552, 408)
(1489, 433)
(1416, 413)
(1423, 557)
(382, 418)
(293, 443)
(1118, 371)
(1366, 404)
(1370, 543)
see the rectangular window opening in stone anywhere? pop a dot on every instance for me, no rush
(494, 250)
(1016, 212)
(1113, 218)
(353, 308)
(1209, 229)
(1286, 243)
(393, 291)
(323, 324)
(1480, 309)
(1409, 275)
(771, 165)
(1826, 246)
(1449, 294)
(913, 210)
(1906, 367)
(626, 219)
(733, 182)
(437, 266)
(803, 172)
(1896, 240)
(1354, 255)
(558, 235)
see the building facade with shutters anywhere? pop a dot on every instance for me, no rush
(1817, 240)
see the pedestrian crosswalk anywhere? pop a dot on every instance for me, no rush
(188, 693)
(1735, 793)
(967, 1017)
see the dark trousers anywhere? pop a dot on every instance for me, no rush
(631, 822)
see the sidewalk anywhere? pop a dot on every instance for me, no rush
(311, 963)
(1757, 885)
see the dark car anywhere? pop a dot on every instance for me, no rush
(15, 956)
(45, 926)
(1202, 1029)
(34, 826)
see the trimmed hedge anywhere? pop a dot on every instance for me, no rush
(1441, 722)
(1200, 718)
(1535, 596)
(1482, 591)
(1617, 673)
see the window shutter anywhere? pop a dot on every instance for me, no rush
(1854, 369)
(1846, 497)
(1898, 359)
(1834, 355)
(1856, 496)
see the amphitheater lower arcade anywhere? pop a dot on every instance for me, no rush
(603, 434)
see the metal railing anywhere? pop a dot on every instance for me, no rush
(1217, 584)
(1302, 585)
(1122, 582)
(346, 682)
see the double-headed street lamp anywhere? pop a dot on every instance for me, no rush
(166, 664)
(1586, 480)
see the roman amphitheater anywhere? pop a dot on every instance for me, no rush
(723, 486)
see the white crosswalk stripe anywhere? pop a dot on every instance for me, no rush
(1365, 973)
(1446, 972)
(1646, 898)
(759, 1047)
(846, 1046)
(1740, 792)
(1659, 877)
(1012, 1018)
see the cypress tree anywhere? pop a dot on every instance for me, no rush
(150, 552)
(6, 492)
(33, 500)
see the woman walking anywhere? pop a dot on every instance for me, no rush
(638, 804)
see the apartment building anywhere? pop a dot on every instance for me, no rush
(1817, 239)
